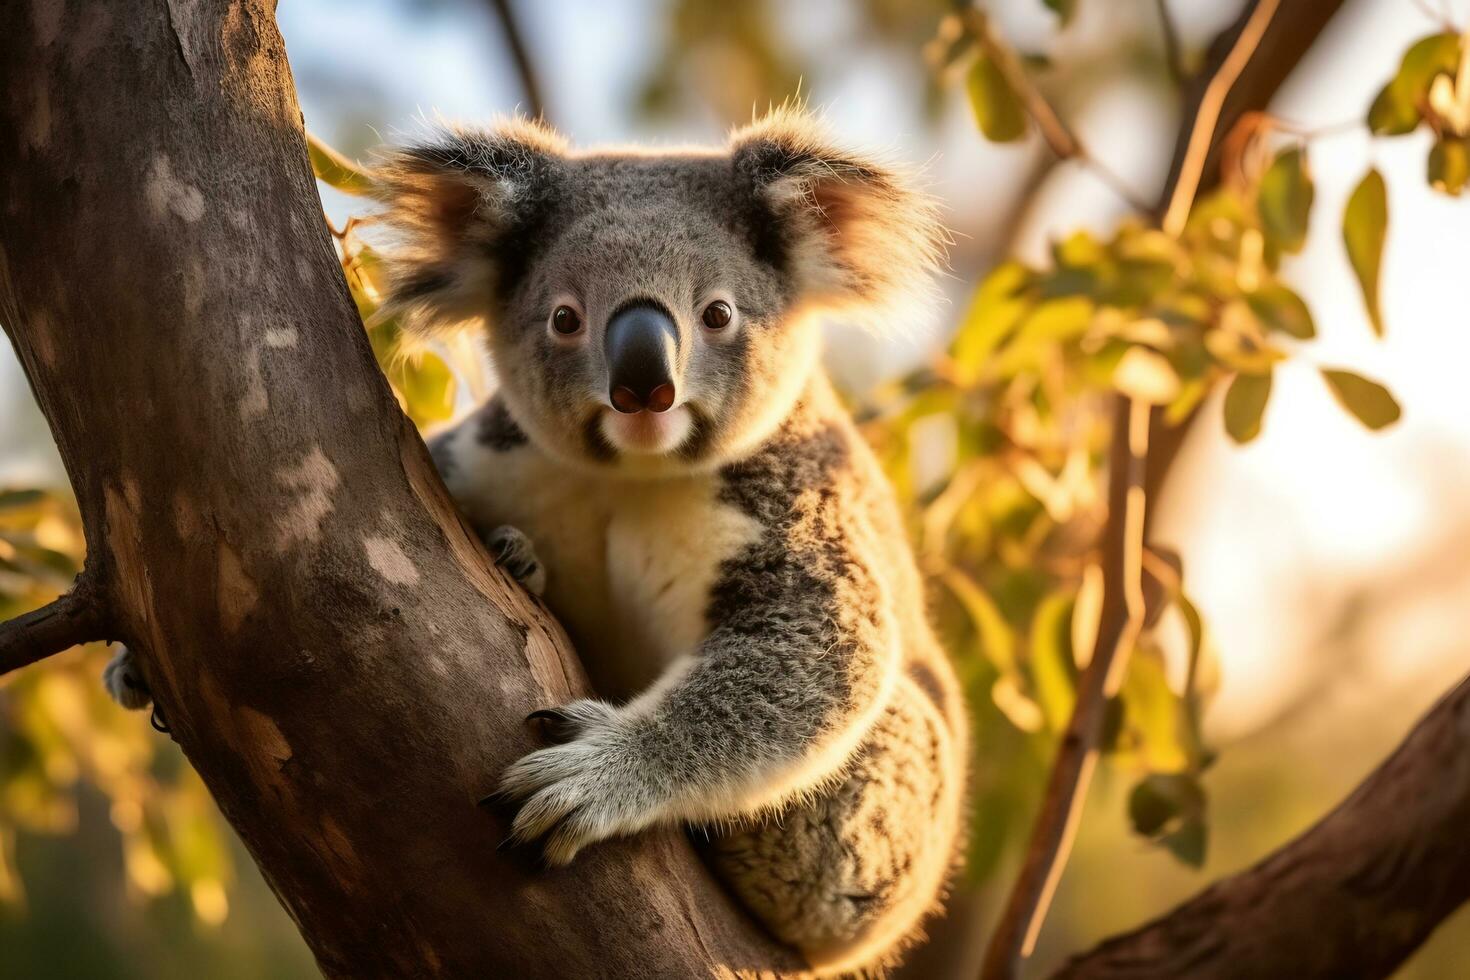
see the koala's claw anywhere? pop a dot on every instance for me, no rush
(124, 681)
(555, 725)
(514, 552)
(584, 790)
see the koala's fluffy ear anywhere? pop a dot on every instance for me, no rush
(856, 234)
(464, 206)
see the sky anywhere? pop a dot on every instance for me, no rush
(1278, 537)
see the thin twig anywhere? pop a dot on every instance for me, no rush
(1060, 137)
(73, 618)
(1440, 17)
(1118, 627)
(525, 70)
(1310, 133)
(1173, 51)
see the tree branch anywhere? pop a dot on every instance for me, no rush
(1173, 50)
(1118, 626)
(1271, 51)
(335, 655)
(1353, 896)
(74, 618)
(1059, 137)
(1244, 69)
(521, 56)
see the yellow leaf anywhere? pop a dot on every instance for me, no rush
(1146, 376)
(335, 170)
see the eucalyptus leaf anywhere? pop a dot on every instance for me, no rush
(1397, 109)
(997, 642)
(1369, 402)
(1284, 201)
(427, 387)
(1188, 843)
(1449, 166)
(996, 309)
(335, 170)
(1245, 405)
(1053, 669)
(997, 108)
(1364, 227)
(1278, 307)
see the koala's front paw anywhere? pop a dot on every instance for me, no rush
(589, 788)
(124, 681)
(512, 550)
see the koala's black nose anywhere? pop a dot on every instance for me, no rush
(641, 345)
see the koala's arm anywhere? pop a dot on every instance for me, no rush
(776, 698)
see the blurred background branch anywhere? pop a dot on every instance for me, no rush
(520, 56)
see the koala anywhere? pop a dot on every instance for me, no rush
(666, 463)
(666, 456)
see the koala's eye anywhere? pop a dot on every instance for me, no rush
(718, 315)
(565, 321)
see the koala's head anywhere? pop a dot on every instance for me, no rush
(646, 311)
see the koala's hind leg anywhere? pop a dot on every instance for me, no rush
(848, 877)
(124, 680)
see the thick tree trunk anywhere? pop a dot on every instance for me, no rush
(265, 527)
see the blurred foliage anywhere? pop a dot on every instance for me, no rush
(421, 378)
(1432, 88)
(732, 58)
(996, 449)
(59, 730)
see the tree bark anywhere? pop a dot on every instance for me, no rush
(326, 639)
(1352, 897)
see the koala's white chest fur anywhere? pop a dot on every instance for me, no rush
(630, 564)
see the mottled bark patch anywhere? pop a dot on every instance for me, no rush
(389, 561)
(237, 593)
(167, 194)
(310, 484)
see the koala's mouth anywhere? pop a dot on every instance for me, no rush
(646, 433)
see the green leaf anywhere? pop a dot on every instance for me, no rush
(1245, 404)
(1449, 166)
(1396, 110)
(1280, 308)
(1155, 721)
(1053, 669)
(1188, 843)
(1368, 401)
(1064, 9)
(335, 170)
(1160, 798)
(1364, 226)
(996, 640)
(997, 108)
(1285, 199)
(998, 306)
(1051, 322)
